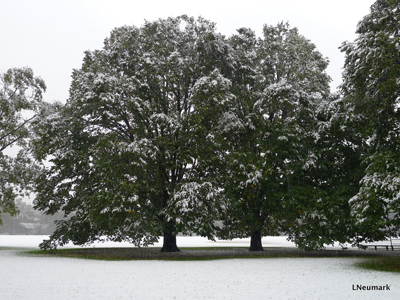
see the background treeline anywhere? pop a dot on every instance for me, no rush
(28, 221)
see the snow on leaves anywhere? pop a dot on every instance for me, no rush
(20, 101)
(143, 107)
(171, 126)
(371, 88)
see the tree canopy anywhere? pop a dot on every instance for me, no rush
(371, 85)
(172, 126)
(21, 96)
(135, 137)
(279, 82)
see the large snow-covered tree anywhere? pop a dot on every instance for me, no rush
(132, 148)
(279, 80)
(371, 84)
(21, 96)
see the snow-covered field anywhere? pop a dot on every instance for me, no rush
(35, 277)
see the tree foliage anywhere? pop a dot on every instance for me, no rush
(171, 126)
(135, 138)
(279, 81)
(371, 85)
(21, 96)
(322, 213)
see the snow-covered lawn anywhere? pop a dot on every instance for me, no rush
(35, 277)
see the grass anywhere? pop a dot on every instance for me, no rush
(380, 263)
(385, 263)
(154, 253)
(211, 248)
(72, 254)
(372, 260)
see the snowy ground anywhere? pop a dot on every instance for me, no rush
(35, 277)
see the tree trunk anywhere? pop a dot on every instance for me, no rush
(255, 241)
(169, 243)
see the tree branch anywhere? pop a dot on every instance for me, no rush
(15, 91)
(13, 131)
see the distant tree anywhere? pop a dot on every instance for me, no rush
(21, 96)
(131, 150)
(28, 221)
(279, 81)
(371, 85)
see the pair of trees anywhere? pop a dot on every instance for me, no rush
(172, 126)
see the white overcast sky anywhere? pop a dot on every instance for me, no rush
(50, 36)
